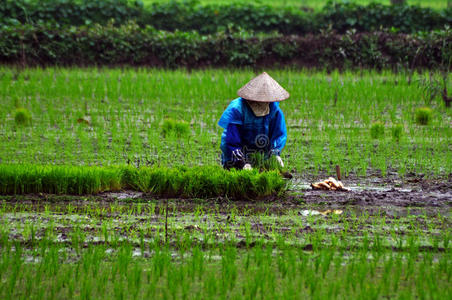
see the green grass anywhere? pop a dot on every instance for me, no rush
(197, 182)
(126, 109)
(315, 4)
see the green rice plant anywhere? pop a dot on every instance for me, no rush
(23, 179)
(377, 130)
(423, 115)
(262, 162)
(270, 268)
(197, 182)
(203, 182)
(397, 131)
(130, 130)
(22, 116)
(171, 127)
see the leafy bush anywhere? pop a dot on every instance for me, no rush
(135, 46)
(377, 130)
(423, 115)
(22, 116)
(176, 128)
(404, 18)
(69, 12)
(191, 15)
(397, 131)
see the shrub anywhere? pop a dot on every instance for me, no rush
(135, 46)
(397, 131)
(70, 12)
(211, 18)
(176, 128)
(377, 130)
(423, 115)
(404, 18)
(22, 116)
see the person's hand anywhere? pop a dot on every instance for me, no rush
(237, 155)
(279, 160)
(247, 167)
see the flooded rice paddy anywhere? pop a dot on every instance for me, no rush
(386, 241)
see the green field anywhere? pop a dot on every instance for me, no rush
(181, 227)
(315, 4)
(115, 117)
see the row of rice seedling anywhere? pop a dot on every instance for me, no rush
(25, 179)
(113, 117)
(197, 182)
(259, 274)
(85, 252)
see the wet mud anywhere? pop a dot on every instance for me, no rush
(414, 191)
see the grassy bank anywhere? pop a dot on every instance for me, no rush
(197, 182)
(116, 117)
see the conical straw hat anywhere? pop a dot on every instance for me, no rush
(263, 88)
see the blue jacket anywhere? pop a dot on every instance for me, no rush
(243, 130)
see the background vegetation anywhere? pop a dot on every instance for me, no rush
(134, 46)
(187, 16)
(315, 4)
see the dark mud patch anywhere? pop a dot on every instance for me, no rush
(392, 197)
(414, 191)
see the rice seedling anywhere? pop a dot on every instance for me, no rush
(172, 127)
(423, 116)
(22, 116)
(196, 182)
(377, 130)
(397, 131)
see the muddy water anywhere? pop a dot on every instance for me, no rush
(301, 211)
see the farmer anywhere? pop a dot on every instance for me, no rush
(254, 123)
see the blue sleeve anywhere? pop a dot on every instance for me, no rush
(278, 132)
(232, 115)
(233, 139)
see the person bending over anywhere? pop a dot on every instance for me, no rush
(254, 123)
